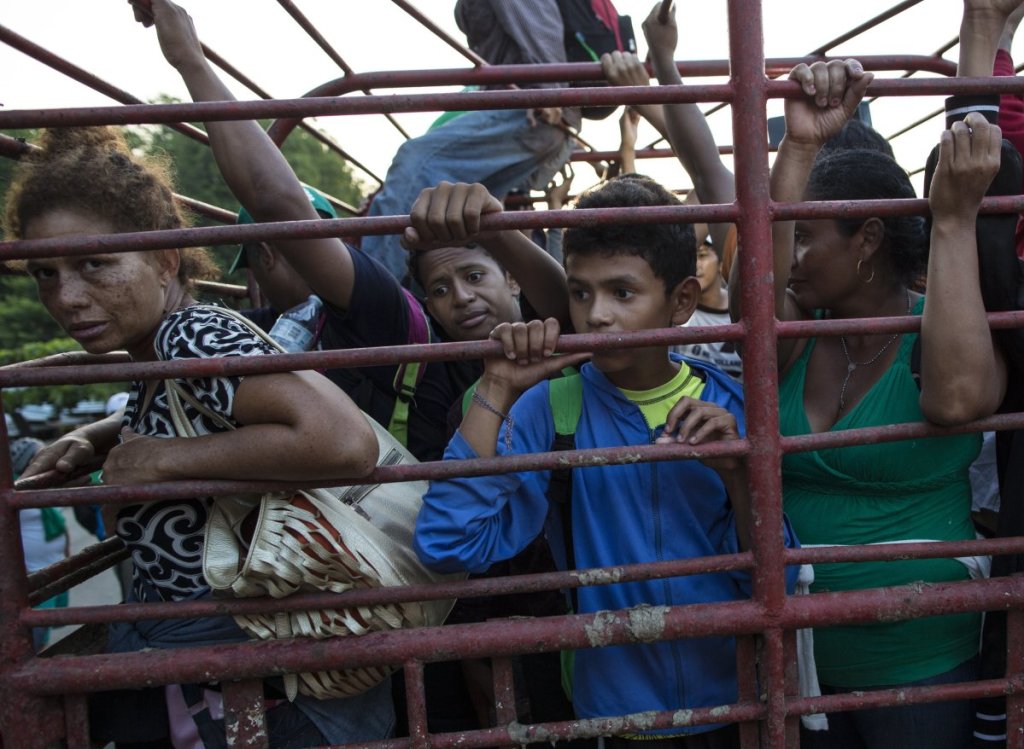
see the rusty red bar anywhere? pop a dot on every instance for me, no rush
(749, 123)
(907, 695)
(244, 721)
(15, 148)
(36, 52)
(76, 715)
(323, 44)
(769, 613)
(40, 719)
(172, 238)
(517, 584)
(416, 705)
(441, 34)
(88, 555)
(497, 465)
(332, 104)
(866, 26)
(504, 692)
(513, 637)
(1015, 666)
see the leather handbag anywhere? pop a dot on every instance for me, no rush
(318, 540)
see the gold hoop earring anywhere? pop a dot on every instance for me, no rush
(870, 278)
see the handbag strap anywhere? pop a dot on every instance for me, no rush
(176, 394)
(251, 326)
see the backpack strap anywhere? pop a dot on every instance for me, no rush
(408, 374)
(565, 398)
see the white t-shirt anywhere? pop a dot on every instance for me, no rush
(722, 354)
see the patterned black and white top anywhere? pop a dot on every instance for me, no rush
(165, 539)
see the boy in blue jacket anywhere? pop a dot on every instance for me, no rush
(621, 278)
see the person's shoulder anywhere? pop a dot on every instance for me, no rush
(719, 387)
(202, 330)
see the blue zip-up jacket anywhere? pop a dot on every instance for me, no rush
(622, 514)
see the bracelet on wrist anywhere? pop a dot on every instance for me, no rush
(488, 406)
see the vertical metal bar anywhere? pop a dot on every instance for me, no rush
(792, 680)
(1015, 667)
(416, 705)
(866, 26)
(504, 691)
(239, 76)
(746, 682)
(76, 721)
(244, 719)
(321, 42)
(30, 721)
(750, 127)
(440, 33)
(773, 673)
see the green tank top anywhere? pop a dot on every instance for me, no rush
(893, 491)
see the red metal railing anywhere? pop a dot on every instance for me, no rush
(42, 702)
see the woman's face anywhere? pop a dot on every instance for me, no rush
(105, 302)
(823, 264)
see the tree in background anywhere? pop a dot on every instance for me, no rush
(28, 332)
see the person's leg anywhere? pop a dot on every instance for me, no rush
(496, 148)
(933, 725)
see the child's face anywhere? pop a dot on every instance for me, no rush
(610, 294)
(468, 293)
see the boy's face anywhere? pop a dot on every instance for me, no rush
(616, 293)
(468, 293)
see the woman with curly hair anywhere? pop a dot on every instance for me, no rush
(288, 426)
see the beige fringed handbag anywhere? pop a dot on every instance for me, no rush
(318, 540)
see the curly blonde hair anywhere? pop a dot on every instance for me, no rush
(91, 170)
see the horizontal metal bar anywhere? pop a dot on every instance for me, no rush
(316, 228)
(473, 588)
(28, 376)
(515, 584)
(470, 100)
(512, 637)
(440, 470)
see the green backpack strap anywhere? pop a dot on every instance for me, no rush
(409, 374)
(565, 395)
(405, 388)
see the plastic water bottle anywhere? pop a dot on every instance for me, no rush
(295, 329)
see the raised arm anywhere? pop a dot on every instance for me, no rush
(625, 69)
(981, 29)
(687, 130)
(450, 214)
(832, 92)
(963, 375)
(253, 167)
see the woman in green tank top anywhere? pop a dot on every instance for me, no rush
(896, 491)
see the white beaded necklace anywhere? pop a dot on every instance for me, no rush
(852, 365)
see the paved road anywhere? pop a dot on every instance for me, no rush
(101, 589)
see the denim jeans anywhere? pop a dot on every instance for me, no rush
(496, 148)
(933, 725)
